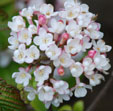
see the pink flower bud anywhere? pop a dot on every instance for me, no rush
(74, 54)
(28, 68)
(61, 21)
(92, 53)
(81, 42)
(20, 12)
(61, 71)
(98, 27)
(42, 20)
(65, 36)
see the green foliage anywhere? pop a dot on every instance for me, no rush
(78, 106)
(6, 73)
(5, 2)
(7, 10)
(37, 105)
(10, 98)
(65, 108)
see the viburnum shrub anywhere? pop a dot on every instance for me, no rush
(49, 43)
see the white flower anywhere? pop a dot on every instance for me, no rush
(13, 40)
(22, 77)
(94, 26)
(96, 79)
(32, 93)
(20, 54)
(32, 54)
(44, 39)
(53, 52)
(45, 93)
(57, 26)
(61, 93)
(61, 87)
(42, 73)
(17, 24)
(73, 29)
(84, 8)
(64, 60)
(94, 34)
(81, 90)
(59, 99)
(76, 69)
(25, 37)
(73, 46)
(27, 12)
(101, 47)
(33, 29)
(84, 19)
(88, 65)
(86, 44)
(101, 62)
(72, 10)
(47, 10)
(55, 44)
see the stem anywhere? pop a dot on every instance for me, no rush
(50, 109)
(101, 94)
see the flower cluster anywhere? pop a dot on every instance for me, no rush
(47, 41)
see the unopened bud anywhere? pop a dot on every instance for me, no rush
(91, 53)
(61, 71)
(65, 36)
(42, 20)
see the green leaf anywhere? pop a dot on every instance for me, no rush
(38, 105)
(3, 16)
(5, 2)
(78, 106)
(65, 108)
(6, 73)
(10, 99)
(6, 14)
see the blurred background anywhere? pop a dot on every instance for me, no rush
(103, 8)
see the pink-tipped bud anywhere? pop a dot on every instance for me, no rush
(61, 71)
(81, 42)
(20, 12)
(74, 54)
(65, 36)
(42, 20)
(61, 21)
(98, 26)
(92, 53)
(28, 68)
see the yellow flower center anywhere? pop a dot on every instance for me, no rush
(62, 60)
(41, 72)
(70, 14)
(23, 75)
(45, 40)
(25, 36)
(32, 55)
(48, 13)
(20, 56)
(20, 26)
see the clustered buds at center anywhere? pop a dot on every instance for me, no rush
(51, 43)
